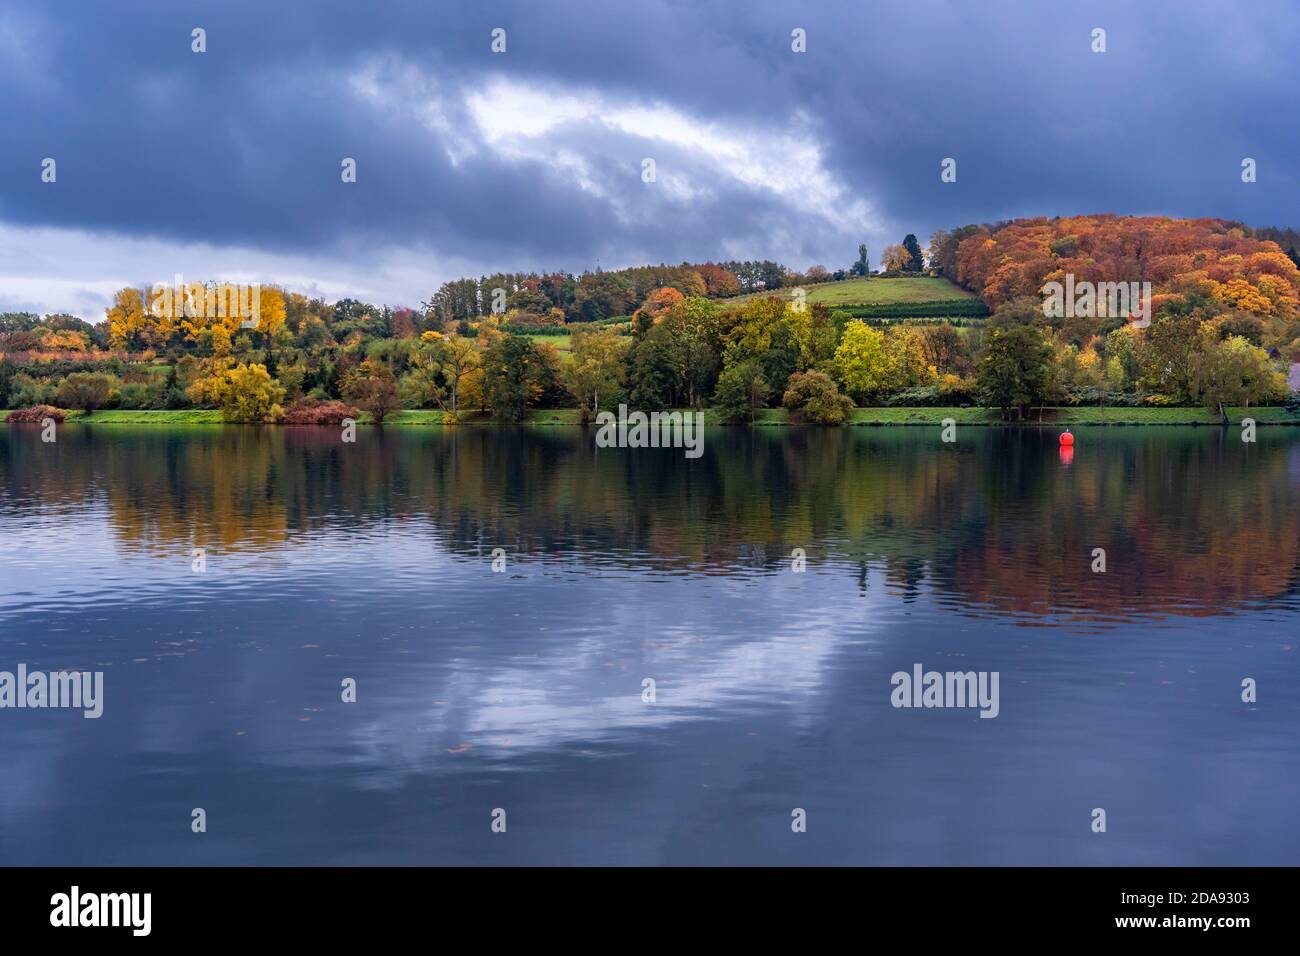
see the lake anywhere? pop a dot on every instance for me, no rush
(228, 582)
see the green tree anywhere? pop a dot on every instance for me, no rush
(1017, 370)
(512, 370)
(694, 337)
(742, 391)
(84, 390)
(814, 335)
(862, 267)
(6, 380)
(422, 385)
(1166, 353)
(604, 294)
(914, 250)
(594, 372)
(651, 374)
(1231, 371)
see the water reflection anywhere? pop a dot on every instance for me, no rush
(1192, 520)
(524, 689)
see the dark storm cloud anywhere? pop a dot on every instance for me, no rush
(241, 145)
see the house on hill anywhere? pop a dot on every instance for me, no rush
(1293, 377)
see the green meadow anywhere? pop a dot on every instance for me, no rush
(877, 291)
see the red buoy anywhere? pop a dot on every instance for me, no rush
(1067, 438)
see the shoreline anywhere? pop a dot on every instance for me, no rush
(768, 418)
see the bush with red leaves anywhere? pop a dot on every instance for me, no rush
(35, 415)
(312, 411)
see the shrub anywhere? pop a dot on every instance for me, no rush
(521, 329)
(935, 308)
(920, 396)
(26, 391)
(956, 390)
(35, 414)
(814, 397)
(1084, 395)
(136, 395)
(311, 411)
(245, 393)
(84, 390)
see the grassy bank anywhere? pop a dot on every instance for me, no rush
(1072, 416)
(768, 417)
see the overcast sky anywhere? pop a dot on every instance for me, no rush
(226, 164)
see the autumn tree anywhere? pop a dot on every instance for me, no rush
(270, 315)
(372, 387)
(595, 372)
(658, 304)
(945, 349)
(1181, 258)
(905, 358)
(815, 335)
(814, 397)
(245, 393)
(895, 259)
(127, 319)
(860, 362)
(719, 283)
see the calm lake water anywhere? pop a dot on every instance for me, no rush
(522, 689)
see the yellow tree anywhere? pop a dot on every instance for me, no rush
(595, 371)
(861, 360)
(459, 360)
(271, 311)
(895, 258)
(127, 319)
(220, 339)
(245, 393)
(905, 351)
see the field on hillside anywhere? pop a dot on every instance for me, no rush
(562, 343)
(873, 291)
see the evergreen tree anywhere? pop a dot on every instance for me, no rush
(914, 250)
